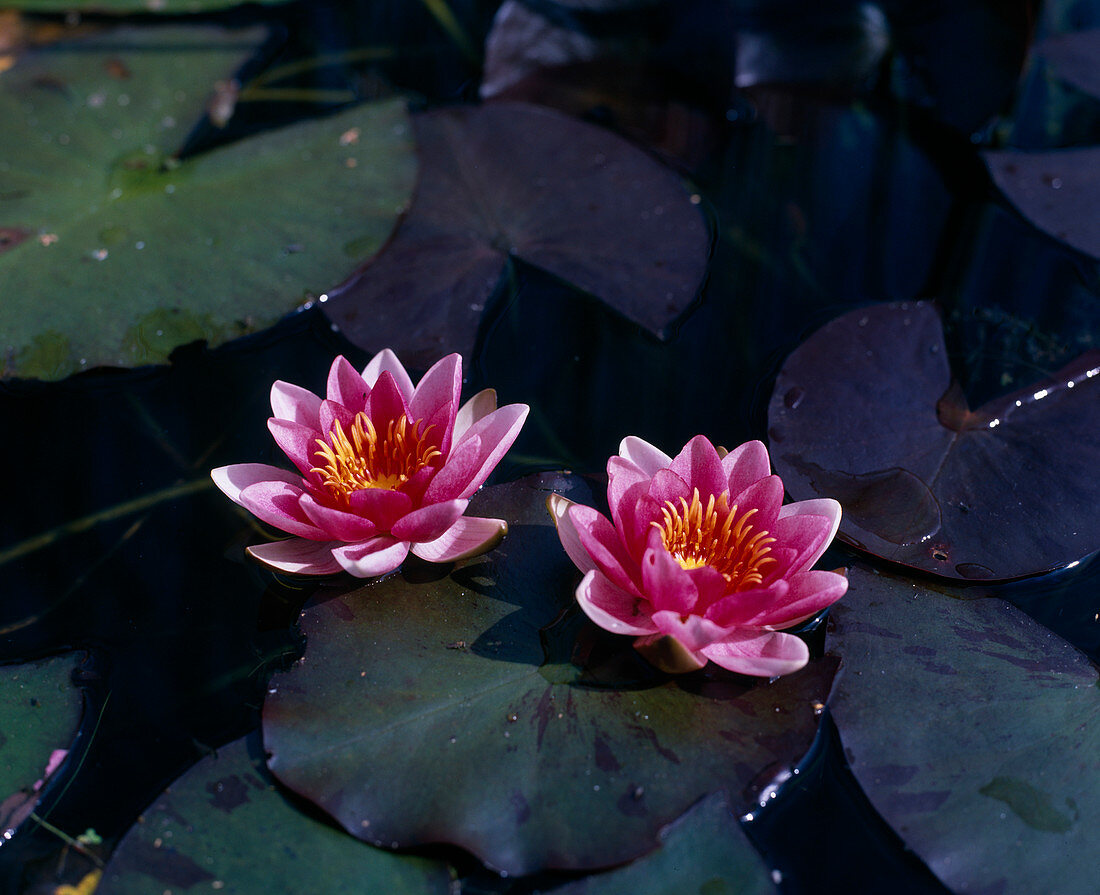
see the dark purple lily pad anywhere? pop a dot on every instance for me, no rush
(451, 710)
(1057, 191)
(1073, 57)
(866, 411)
(511, 180)
(225, 825)
(974, 731)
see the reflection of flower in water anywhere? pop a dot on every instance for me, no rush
(383, 468)
(702, 560)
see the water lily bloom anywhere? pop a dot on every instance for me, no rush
(701, 560)
(383, 468)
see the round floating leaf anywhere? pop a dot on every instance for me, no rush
(114, 252)
(451, 710)
(511, 180)
(40, 711)
(704, 851)
(224, 824)
(1073, 57)
(974, 731)
(865, 411)
(1057, 191)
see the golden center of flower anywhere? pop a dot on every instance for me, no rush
(362, 457)
(718, 536)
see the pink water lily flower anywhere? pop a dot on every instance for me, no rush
(702, 559)
(384, 468)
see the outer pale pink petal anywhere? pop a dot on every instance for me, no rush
(429, 522)
(622, 476)
(809, 593)
(346, 386)
(234, 479)
(745, 464)
(807, 534)
(611, 607)
(693, 632)
(297, 556)
(699, 465)
(740, 608)
(601, 542)
(385, 402)
(666, 584)
(489, 438)
(376, 556)
(567, 532)
(276, 503)
(294, 403)
(386, 360)
(478, 407)
(469, 536)
(383, 507)
(340, 525)
(298, 442)
(436, 397)
(821, 506)
(762, 655)
(644, 455)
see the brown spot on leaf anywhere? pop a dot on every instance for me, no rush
(10, 237)
(228, 793)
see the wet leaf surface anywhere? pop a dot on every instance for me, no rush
(112, 251)
(506, 181)
(226, 825)
(704, 851)
(1013, 753)
(1073, 57)
(1057, 191)
(451, 710)
(866, 411)
(40, 711)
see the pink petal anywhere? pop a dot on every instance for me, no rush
(712, 587)
(478, 407)
(298, 442)
(694, 632)
(611, 607)
(489, 439)
(383, 507)
(297, 556)
(329, 413)
(376, 556)
(644, 455)
(234, 479)
(386, 361)
(807, 534)
(636, 513)
(429, 522)
(821, 506)
(668, 486)
(345, 386)
(276, 503)
(567, 532)
(385, 402)
(435, 400)
(469, 536)
(666, 584)
(294, 403)
(625, 478)
(601, 542)
(699, 465)
(809, 593)
(744, 465)
(762, 655)
(339, 525)
(766, 497)
(739, 608)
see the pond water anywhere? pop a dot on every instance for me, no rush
(814, 163)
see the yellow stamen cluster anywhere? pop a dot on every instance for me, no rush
(716, 536)
(361, 458)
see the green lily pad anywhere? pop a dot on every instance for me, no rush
(114, 252)
(40, 711)
(704, 851)
(483, 709)
(974, 731)
(226, 825)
